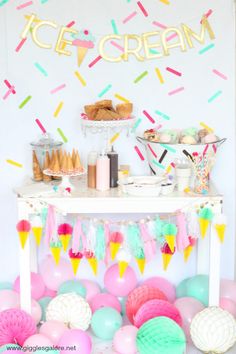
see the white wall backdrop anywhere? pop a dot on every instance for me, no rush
(187, 108)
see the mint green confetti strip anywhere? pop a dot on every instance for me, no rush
(115, 30)
(106, 89)
(41, 69)
(217, 94)
(167, 147)
(44, 1)
(136, 125)
(158, 164)
(154, 51)
(25, 102)
(140, 77)
(64, 138)
(163, 115)
(3, 2)
(205, 49)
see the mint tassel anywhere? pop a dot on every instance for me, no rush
(100, 247)
(170, 229)
(206, 213)
(134, 241)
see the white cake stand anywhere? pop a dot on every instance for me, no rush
(65, 184)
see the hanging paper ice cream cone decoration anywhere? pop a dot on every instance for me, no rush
(188, 250)
(93, 262)
(219, 223)
(116, 238)
(205, 217)
(166, 255)
(55, 248)
(75, 259)
(170, 231)
(37, 229)
(23, 227)
(84, 42)
(141, 264)
(64, 234)
(122, 268)
(123, 258)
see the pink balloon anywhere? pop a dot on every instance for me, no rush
(9, 299)
(50, 293)
(92, 288)
(228, 289)
(37, 340)
(37, 286)
(124, 340)
(120, 286)
(77, 338)
(36, 311)
(228, 305)
(53, 330)
(164, 285)
(188, 308)
(54, 275)
(105, 300)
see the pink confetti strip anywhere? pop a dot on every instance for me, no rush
(158, 24)
(205, 150)
(149, 117)
(12, 88)
(7, 94)
(176, 91)
(173, 164)
(128, 18)
(70, 24)
(94, 61)
(157, 127)
(214, 148)
(175, 72)
(139, 153)
(144, 11)
(172, 36)
(152, 151)
(220, 74)
(20, 45)
(117, 46)
(40, 125)
(209, 12)
(58, 89)
(22, 6)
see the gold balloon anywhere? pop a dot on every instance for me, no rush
(35, 30)
(134, 51)
(101, 48)
(62, 42)
(28, 26)
(148, 46)
(166, 46)
(205, 26)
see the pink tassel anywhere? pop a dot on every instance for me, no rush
(107, 240)
(50, 225)
(182, 240)
(148, 241)
(78, 232)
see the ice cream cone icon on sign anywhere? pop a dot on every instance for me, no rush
(167, 255)
(64, 233)
(23, 227)
(170, 231)
(75, 259)
(83, 42)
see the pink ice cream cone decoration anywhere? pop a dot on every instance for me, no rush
(92, 260)
(64, 233)
(166, 255)
(116, 240)
(84, 42)
(75, 259)
(189, 248)
(23, 227)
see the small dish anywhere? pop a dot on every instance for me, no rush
(147, 186)
(167, 188)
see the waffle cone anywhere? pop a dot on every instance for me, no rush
(77, 163)
(60, 156)
(64, 163)
(114, 248)
(70, 164)
(65, 240)
(23, 235)
(166, 258)
(141, 264)
(56, 166)
(220, 229)
(46, 166)
(73, 156)
(38, 175)
(52, 160)
(187, 252)
(81, 52)
(75, 262)
(122, 268)
(56, 253)
(93, 264)
(170, 239)
(204, 223)
(37, 232)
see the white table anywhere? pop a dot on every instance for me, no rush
(89, 201)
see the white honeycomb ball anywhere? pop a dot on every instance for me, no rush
(71, 309)
(213, 330)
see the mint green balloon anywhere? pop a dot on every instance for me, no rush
(72, 286)
(105, 322)
(43, 302)
(9, 347)
(161, 335)
(198, 288)
(181, 290)
(5, 285)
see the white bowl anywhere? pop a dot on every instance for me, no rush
(167, 188)
(146, 186)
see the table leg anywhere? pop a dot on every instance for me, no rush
(25, 282)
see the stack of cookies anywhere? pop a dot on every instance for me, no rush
(104, 111)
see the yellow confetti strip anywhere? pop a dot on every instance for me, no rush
(115, 136)
(59, 107)
(14, 163)
(168, 169)
(166, 2)
(160, 77)
(36, 20)
(83, 82)
(210, 130)
(121, 98)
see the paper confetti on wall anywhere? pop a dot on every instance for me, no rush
(140, 77)
(26, 100)
(14, 163)
(121, 98)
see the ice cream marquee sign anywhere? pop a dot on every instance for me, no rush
(142, 46)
